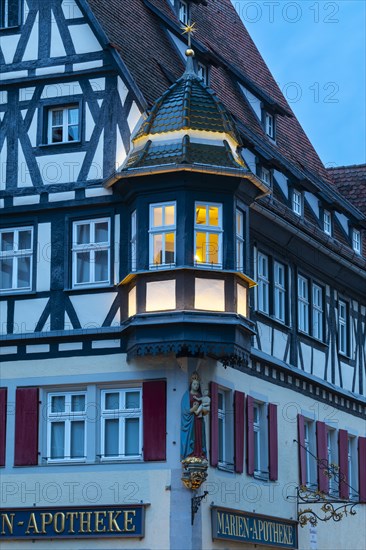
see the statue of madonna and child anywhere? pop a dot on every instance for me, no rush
(195, 406)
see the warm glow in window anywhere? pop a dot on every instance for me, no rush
(160, 295)
(209, 294)
(162, 235)
(241, 300)
(208, 234)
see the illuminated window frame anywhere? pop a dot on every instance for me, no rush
(162, 230)
(209, 230)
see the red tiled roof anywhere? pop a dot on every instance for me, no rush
(139, 34)
(350, 181)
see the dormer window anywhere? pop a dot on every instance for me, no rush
(202, 71)
(296, 202)
(269, 124)
(327, 222)
(266, 175)
(183, 12)
(9, 13)
(356, 241)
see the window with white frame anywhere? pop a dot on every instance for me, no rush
(279, 292)
(327, 222)
(310, 448)
(66, 423)
(356, 241)
(343, 327)
(91, 252)
(332, 458)
(16, 258)
(303, 303)
(239, 232)
(10, 13)
(225, 429)
(208, 234)
(296, 202)
(269, 122)
(318, 313)
(133, 247)
(222, 431)
(263, 283)
(260, 439)
(162, 234)
(63, 124)
(352, 467)
(266, 175)
(183, 12)
(121, 424)
(202, 72)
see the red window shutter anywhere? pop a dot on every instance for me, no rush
(362, 468)
(322, 455)
(250, 435)
(343, 463)
(272, 442)
(214, 424)
(154, 412)
(3, 402)
(302, 450)
(26, 427)
(239, 431)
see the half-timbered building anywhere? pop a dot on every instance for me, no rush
(166, 222)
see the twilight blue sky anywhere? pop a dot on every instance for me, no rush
(316, 51)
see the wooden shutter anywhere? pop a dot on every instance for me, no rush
(322, 455)
(3, 402)
(214, 424)
(239, 431)
(154, 419)
(272, 442)
(26, 427)
(362, 468)
(343, 463)
(302, 450)
(250, 435)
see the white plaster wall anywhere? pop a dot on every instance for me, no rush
(8, 45)
(254, 102)
(27, 314)
(84, 39)
(3, 164)
(57, 45)
(64, 168)
(92, 311)
(282, 182)
(31, 50)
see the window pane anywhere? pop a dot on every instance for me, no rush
(221, 439)
(157, 216)
(239, 223)
(57, 117)
(101, 265)
(213, 249)
(111, 438)
(133, 400)
(221, 401)
(77, 439)
(73, 133)
(24, 272)
(73, 116)
(200, 214)
(58, 404)
(13, 13)
(101, 232)
(57, 135)
(169, 248)
(6, 273)
(158, 249)
(57, 440)
(83, 267)
(257, 451)
(132, 436)
(200, 247)
(213, 213)
(112, 401)
(169, 215)
(77, 403)
(83, 234)
(25, 240)
(7, 242)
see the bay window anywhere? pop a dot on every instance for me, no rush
(16, 258)
(208, 234)
(91, 252)
(162, 234)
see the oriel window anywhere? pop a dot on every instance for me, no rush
(208, 235)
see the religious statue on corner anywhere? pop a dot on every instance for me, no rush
(195, 406)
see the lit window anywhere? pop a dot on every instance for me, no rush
(270, 125)
(279, 291)
(183, 12)
(303, 304)
(202, 72)
(133, 248)
(66, 434)
(318, 313)
(356, 241)
(162, 234)
(263, 283)
(121, 424)
(16, 255)
(91, 252)
(63, 124)
(239, 230)
(9, 13)
(327, 222)
(342, 327)
(260, 439)
(266, 175)
(208, 234)
(296, 202)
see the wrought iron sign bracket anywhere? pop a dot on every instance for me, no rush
(195, 504)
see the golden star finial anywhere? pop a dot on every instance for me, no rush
(189, 29)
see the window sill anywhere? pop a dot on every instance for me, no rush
(225, 467)
(9, 30)
(261, 476)
(312, 339)
(345, 357)
(58, 144)
(12, 292)
(88, 287)
(269, 317)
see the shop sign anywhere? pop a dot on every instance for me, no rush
(245, 527)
